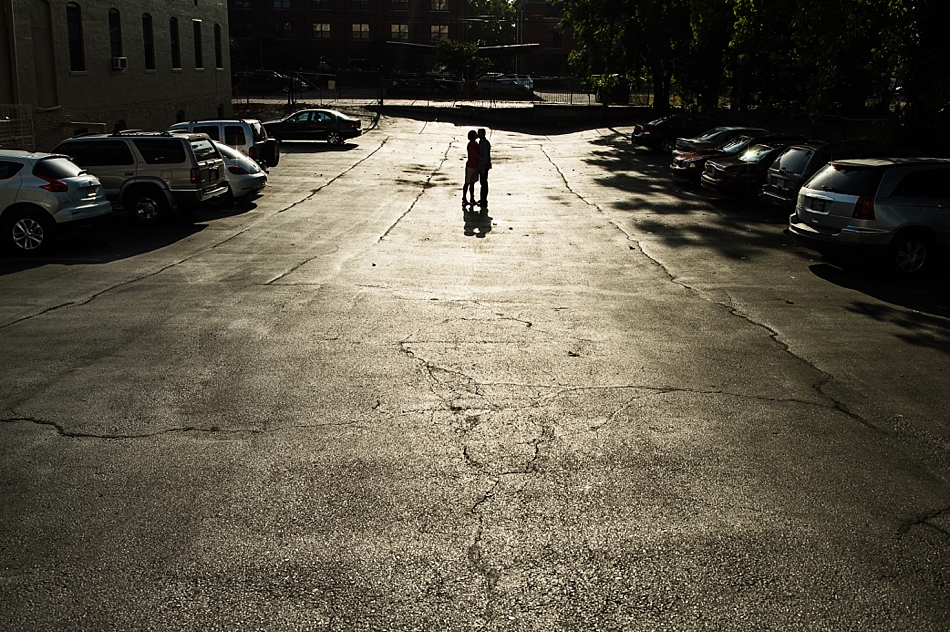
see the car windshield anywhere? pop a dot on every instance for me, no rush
(204, 150)
(712, 135)
(735, 145)
(228, 152)
(755, 153)
(794, 160)
(846, 179)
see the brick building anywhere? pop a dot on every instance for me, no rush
(339, 34)
(68, 67)
(539, 24)
(353, 34)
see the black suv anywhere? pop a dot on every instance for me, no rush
(799, 162)
(151, 173)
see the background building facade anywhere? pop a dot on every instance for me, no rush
(99, 65)
(335, 35)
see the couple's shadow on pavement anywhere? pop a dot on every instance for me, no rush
(477, 222)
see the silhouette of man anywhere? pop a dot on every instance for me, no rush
(484, 164)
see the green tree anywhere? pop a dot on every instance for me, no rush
(491, 22)
(460, 58)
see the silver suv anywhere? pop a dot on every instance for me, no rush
(896, 206)
(151, 174)
(42, 194)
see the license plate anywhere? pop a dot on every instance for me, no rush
(818, 205)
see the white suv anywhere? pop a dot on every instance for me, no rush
(42, 194)
(248, 136)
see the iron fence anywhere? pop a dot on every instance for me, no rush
(16, 127)
(328, 89)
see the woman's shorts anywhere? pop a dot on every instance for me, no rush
(471, 175)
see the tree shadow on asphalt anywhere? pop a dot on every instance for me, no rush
(120, 238)
(741, 229)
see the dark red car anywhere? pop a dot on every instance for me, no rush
(744, 174)
(690, 166)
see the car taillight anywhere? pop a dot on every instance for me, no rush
(54, 185)
(252, 152)
(238, 170)
(864, 208)
(196, 176)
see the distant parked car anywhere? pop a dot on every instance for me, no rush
(690, 166)
(898, 208)
(419, 86)
(151, 174)
(512, 85)
(43, 194)
(329, 125)
(245, 177)
(742, 175)
(800, 162)
(662, 133)
(714, 138)
(248, 136)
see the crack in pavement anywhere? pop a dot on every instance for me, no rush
(925, 520)
(91, 435)
(425, 186)
(735, 311)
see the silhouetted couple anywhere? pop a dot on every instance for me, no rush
(476, 169)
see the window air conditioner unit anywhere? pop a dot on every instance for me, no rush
(120, 63)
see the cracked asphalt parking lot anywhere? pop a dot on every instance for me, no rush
(612, 404)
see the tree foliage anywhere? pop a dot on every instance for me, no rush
(819, 56)
(491, 22)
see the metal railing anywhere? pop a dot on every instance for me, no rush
(16, 127)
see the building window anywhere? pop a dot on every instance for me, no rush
(175, 42)
(199, 57)
(439, 32)
(556, 40)
(218, 53)
(281, 4)
(440, 5)
(400, 33)
(320, 5)
(148, 40)
(360, 5)
(361, 31)
(242, 30)
(281, 30)
(399, 5)
(115, 33)
(241, 4)
(321, 31)
(77, 54)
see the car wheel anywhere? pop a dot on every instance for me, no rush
(911, 253)
(148, 206)
(667, 146)
(334, 138)
(29, 231)
(273, 154)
